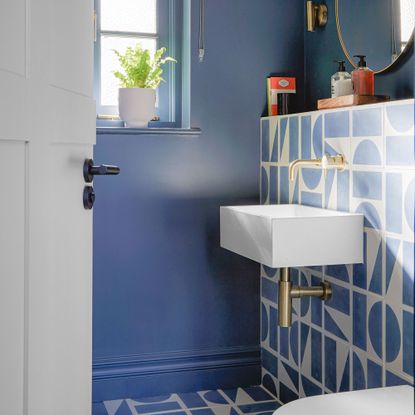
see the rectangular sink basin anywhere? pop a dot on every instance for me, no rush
(292, 235)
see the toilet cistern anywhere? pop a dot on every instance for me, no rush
(327, 162)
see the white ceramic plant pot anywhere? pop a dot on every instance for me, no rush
(137, 106)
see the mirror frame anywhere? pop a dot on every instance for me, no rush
(345, 51)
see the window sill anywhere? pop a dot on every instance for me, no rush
(148, 131)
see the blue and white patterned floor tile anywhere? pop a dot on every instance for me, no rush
(240, 401)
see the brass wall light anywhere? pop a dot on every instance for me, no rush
(316, 15)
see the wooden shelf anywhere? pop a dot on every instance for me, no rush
(350, 100)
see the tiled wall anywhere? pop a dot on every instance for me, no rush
(364, 336)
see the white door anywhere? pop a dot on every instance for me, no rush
(47, 117)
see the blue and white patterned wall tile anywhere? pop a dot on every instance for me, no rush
(408, 206)
(305, 142)
(399, 278)
(367, 140)
(399, 118)
(366, 373)
(399, 135)
(270, 382)
(408, 350)
(269, 362)
(393, 338)
(265, 140)
(394, 204)
(308, 387)
(294, 138)
(367, 122)
(273, 139)
(264, 324)
(317, 129)
(311, 186)
(311, 353)
(375, 328)
(367, 197)
(336, 365)
(288, 343)
(269, 290)
(337, 141)
(364, 335)
(367, 152)
(338, 314)
(288, 382)
(400, 151)
(311, 181)
(337, 134)
(273, 273)
(304, 304)
(284, 141)
(264, 187)
(360, 329)
(369, 275)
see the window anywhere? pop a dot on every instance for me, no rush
(407, 21)
(153, 23)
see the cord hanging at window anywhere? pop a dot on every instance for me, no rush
(201, 30)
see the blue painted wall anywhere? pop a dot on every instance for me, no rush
(165, 294)
(322, 46)
(163, 288)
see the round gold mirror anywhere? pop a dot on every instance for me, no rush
(383, 30)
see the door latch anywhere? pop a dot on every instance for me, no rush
(89, 197)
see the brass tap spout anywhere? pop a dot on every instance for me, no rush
(298, 163)
(326, 162)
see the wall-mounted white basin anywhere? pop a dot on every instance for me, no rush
(292, 235)
(397, 400)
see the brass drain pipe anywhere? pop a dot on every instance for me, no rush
(287, 292)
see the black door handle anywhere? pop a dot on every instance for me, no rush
(102, 170)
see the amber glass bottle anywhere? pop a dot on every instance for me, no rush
(363, 78)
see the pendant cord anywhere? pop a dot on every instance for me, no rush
(201, 30)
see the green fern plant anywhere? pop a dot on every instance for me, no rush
(140, 69)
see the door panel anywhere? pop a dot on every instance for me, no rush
(12, 275)
(72, 58)
(13, 35)
(12, 105)
(71, 268)
(45, 234)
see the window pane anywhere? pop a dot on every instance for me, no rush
(109, 63)
(129, 15)
(407, 19)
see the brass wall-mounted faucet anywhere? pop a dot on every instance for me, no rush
(287, 292)
(326, 163)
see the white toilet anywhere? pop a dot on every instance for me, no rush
(396, 400)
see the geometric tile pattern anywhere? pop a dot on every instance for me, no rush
(240, 401)
(364, 336)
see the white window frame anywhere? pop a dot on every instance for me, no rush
(166, 35)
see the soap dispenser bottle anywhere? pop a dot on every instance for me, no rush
(363, 78)
(341, 82)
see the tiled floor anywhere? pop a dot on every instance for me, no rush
(241, 401)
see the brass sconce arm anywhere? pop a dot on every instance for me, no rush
(316, 15)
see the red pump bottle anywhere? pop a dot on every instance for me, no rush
(363, 78)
